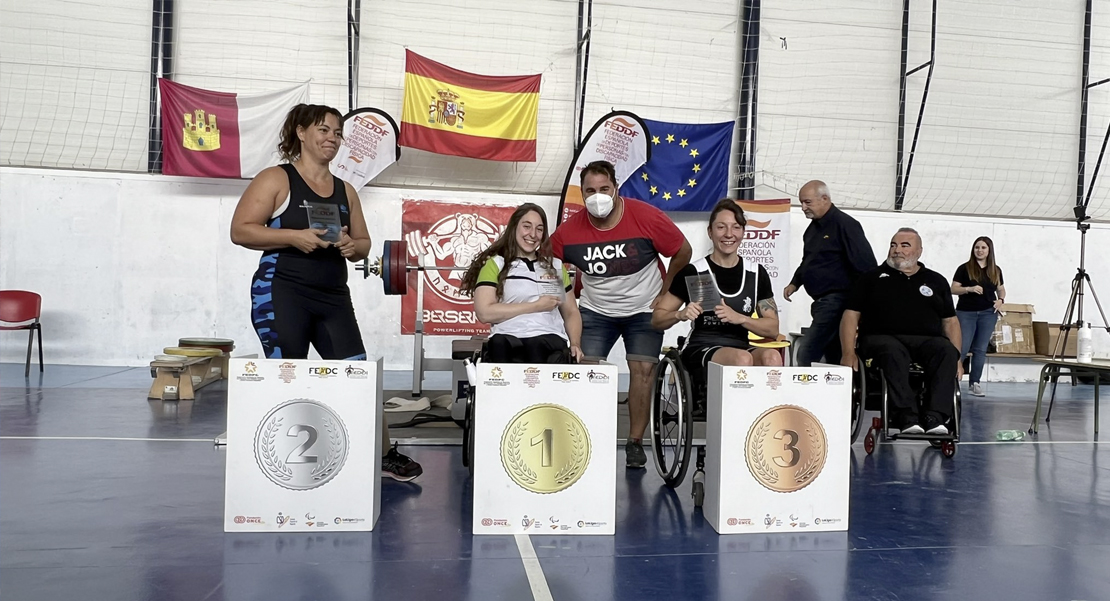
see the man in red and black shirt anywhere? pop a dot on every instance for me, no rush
(615, 244)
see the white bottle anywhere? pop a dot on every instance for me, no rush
(1085, 351)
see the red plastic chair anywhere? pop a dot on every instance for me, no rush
(17, 308)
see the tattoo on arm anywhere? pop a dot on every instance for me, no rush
(768, 308)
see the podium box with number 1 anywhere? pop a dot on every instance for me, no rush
(545, 449)
(777, 448)
(303, 445)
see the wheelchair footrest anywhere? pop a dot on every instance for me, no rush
(926, 437)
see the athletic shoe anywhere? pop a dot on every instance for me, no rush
(935, 426)
(977, 390)
(906, 423)
(913, 429)
(634, 454)
(400, 467)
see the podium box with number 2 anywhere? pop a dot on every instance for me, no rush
(303, 445)
(545, 449)
(777, 448)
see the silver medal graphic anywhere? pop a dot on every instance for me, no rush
(301, 444)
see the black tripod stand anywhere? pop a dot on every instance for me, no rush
(1073, 317)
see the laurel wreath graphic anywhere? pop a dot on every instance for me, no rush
(810, 468)
(516, 464)
(273, 464)
(335, 449)
(573, 468)
(755, 449)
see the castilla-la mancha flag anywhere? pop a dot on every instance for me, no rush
(479, 116)
(221, 134)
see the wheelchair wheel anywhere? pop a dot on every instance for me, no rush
(948, 448)
(859, 397)
(672, 426)
(699, 493)
(468, 434)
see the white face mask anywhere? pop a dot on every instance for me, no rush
(600, 205)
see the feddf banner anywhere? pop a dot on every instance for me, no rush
(369, 146)
(620, 138)
(767, 242)
(443, 234)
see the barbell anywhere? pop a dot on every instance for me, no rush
(393, 267)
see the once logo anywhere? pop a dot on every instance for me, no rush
(487, 522)
(239, 519)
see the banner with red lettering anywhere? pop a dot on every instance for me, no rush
(620, 138)
(444, 234)
(767, 242)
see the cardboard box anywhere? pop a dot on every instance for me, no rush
(1013, 334)
(1045, 335)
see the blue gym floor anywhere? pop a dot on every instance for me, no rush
(105, 495)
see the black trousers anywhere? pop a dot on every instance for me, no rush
(547, 348)
(935, 354)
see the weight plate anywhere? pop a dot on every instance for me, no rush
(400, 262)
(224, 344)
(387, 285)
(192, 351)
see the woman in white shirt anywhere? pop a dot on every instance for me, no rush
(524, 294)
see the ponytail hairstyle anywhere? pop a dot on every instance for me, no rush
(302, 116)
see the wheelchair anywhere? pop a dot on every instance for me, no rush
(676, 404)
(467, 410)
(870, 393)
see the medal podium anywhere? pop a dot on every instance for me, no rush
(303, 445)
(545, 449)
(777, 448)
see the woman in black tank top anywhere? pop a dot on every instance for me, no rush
(308, 224)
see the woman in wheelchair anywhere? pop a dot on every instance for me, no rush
(523, 293)
(742, 315)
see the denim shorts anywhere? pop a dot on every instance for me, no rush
(600, 332)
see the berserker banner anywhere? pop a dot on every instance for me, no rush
(446, 235)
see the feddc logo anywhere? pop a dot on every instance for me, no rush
(741, 380)
(596, 377)
(566, 376)
(806, 379)
(356, 373)
(831, 378)
(323, 372)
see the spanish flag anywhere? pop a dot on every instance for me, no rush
(454, 112)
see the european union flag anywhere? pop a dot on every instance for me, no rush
(688, 170)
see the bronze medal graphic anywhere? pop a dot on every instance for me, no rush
(786, 448)
(545, 448)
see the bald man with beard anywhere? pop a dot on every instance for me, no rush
(835, 254)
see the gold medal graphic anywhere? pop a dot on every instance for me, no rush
(786, 448)
(545, 448)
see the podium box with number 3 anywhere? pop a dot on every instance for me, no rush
(545, 449)
(777, 449)
(303, 445)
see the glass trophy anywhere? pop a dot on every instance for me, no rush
(703, 290)
(324, 216)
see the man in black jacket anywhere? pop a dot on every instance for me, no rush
(903, 312)
(836, 252)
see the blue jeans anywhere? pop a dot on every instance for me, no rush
(600, 332)
(822, 339)
(976, 328)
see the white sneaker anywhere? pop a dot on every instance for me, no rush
(915, 429)
(940, 430)
(977, 390)
(402, 405)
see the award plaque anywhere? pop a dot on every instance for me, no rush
(324, 216)
(703, 290)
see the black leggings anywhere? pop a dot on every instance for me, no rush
(548, 348)
(288, 317)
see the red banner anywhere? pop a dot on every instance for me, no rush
(446, 235)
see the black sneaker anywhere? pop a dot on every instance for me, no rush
(400, 467)
(934, 425)
(634, 454)
(906, 423)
